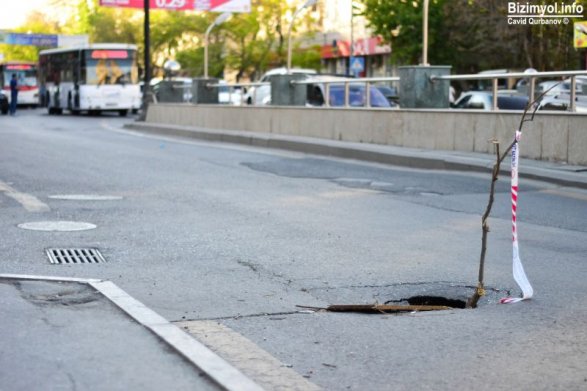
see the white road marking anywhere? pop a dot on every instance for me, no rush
(59, 226)
(253, 361)
(85, 197)
(29, 202)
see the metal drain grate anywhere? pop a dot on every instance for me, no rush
(74, 255)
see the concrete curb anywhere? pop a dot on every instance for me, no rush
(216, 368)
(399, 156)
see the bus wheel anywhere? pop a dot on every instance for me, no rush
(122, 113)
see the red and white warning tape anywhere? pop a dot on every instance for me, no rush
(519, 273)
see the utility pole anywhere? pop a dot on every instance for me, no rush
(352, 45)
(147, 59)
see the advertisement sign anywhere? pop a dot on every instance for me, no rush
(42, 40)
(580, 39)
(223, 5)
(183, 5)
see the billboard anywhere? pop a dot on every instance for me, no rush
(223, 5)
(185, 5)
(43, 40)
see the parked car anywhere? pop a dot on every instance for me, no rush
(557, 87)
(481, 100)
(3, 103)
(185, 83)
(390, 93)
(229, 95)
(259, 96)
(562, 103)
(250, 95)
(317, 91)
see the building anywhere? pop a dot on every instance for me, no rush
(371, 57)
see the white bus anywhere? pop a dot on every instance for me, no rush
(26, 75)
(91, 78)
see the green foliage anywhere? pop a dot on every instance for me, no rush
(471, 35)
(400, 23)
(36, 23)
(307, 58)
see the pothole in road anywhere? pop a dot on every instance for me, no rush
(57, 226)
(432, 300)
(447, 294)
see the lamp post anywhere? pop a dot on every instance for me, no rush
(219, 20)
(425, 34)
(307, 4)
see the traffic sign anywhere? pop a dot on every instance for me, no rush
(357, 65)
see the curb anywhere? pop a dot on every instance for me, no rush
(384, 154)
(216, 368)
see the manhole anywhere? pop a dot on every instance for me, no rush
(60, 226)
(74, 255)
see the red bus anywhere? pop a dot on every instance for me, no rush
(26, 74)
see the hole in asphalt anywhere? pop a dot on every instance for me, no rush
(436, 300)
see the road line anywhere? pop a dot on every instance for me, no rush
(29, 202)
(253, 361)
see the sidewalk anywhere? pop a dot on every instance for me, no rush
(557, 173)
(63, 333)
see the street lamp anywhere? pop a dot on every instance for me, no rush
(425, 34)
(307, 4)
(219, 20)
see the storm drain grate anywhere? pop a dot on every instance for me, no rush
(74, 255)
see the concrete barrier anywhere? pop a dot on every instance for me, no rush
(560, 137)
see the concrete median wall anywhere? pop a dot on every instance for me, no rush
(551, 136)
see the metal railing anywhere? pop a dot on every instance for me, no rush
(531, 76)
(347, 84)
(328, 81)
(232, 86)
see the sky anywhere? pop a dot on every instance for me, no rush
(17, 12)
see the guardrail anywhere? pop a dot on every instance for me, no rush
(532, 76)
(327, 82)
(232, 86)
(347, 83)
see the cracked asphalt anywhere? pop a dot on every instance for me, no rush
(242, 236)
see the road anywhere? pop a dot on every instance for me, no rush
(226, 241)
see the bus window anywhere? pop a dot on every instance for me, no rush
(26, 75)
(108, 67)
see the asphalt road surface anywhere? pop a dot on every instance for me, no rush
(227, 241)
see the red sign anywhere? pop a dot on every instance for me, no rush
(109, 54)
(362, 47)
(153, 4)
(19, 67)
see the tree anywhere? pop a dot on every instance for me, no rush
(400, 23)
(37, 23)
(471, 35)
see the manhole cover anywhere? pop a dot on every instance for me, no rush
(61, 226)
(74, 255)
(85, 197)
